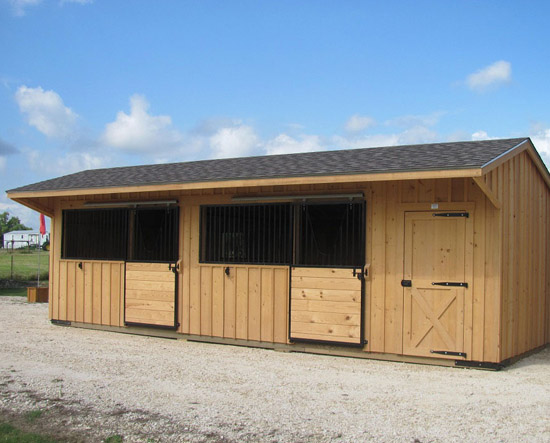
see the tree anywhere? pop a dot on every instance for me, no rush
(8, 224)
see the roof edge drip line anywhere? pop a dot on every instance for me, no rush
(504, 153)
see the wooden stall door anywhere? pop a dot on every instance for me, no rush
(434, 284)
(326, 304)
(151, 292)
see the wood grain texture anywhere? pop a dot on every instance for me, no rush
(150, 294)
(335, 316)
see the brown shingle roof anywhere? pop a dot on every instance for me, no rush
(425, 157)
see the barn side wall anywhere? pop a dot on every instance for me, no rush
(525, 199)
(252, 302)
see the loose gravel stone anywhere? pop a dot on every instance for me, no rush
(93, 384)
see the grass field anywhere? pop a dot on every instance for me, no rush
(25, 265)
(9, 434)
(16, 292)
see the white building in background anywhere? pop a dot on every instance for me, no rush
(23, 239)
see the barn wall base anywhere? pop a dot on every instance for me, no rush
(307, 348)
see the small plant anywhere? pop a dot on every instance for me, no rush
(33, 415)
(113, 439)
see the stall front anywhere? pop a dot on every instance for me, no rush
(430, 253)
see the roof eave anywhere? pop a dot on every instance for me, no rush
(236, 183)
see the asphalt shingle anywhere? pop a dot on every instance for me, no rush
(424, 157)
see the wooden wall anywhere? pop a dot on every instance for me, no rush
(504, 309)
(251, 303)
(525, 244)
(93, 294)
(385, 247)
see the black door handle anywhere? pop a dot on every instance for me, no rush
(227, 271)
(406, 283)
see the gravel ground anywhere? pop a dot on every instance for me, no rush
(92, 384)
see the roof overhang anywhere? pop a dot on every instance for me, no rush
(277, 181)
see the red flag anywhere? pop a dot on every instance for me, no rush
(42, 224)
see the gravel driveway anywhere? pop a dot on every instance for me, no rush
(90, 385)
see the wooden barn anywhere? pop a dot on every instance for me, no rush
(434, 253)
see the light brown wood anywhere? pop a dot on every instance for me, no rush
(146, 300)
(435, 251)
(376, 334)
(506, 311)
(393, 268)
(488, 192)
(254, 304)
(334, 318)
(267, 300)
(326, 294)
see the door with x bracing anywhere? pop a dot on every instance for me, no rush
(435, 283)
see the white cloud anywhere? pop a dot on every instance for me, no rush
(46, 111)
(541, 140)
(65, 163)
(27, 216)
(493, 75)
(358, 123)
(18, 6)
(482, 135)
(411, 136)
(140, 131)
(285, 144)
(234, 141)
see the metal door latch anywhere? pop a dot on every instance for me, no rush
(406, 283)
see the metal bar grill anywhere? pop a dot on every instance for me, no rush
(246, 234)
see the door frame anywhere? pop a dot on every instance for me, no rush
(174, 266)
(360, 275)
(176, 269)
(468, 207)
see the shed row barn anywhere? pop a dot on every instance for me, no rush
(434, 253)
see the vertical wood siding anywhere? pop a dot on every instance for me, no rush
(506, 312)
(525, 244)
(251, 303)
(389, 202)
(93, 294)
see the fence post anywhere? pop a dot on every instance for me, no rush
(11, 273)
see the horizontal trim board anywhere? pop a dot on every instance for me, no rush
(382, 176)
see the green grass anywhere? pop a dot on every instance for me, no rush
(113, 439)
(33, 415)
(10, 434)
(25, 264)
(17, 292)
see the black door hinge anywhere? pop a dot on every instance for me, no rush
(453, 353)
(450, 283)
(451, 214)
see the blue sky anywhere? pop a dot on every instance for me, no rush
(96, 83)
